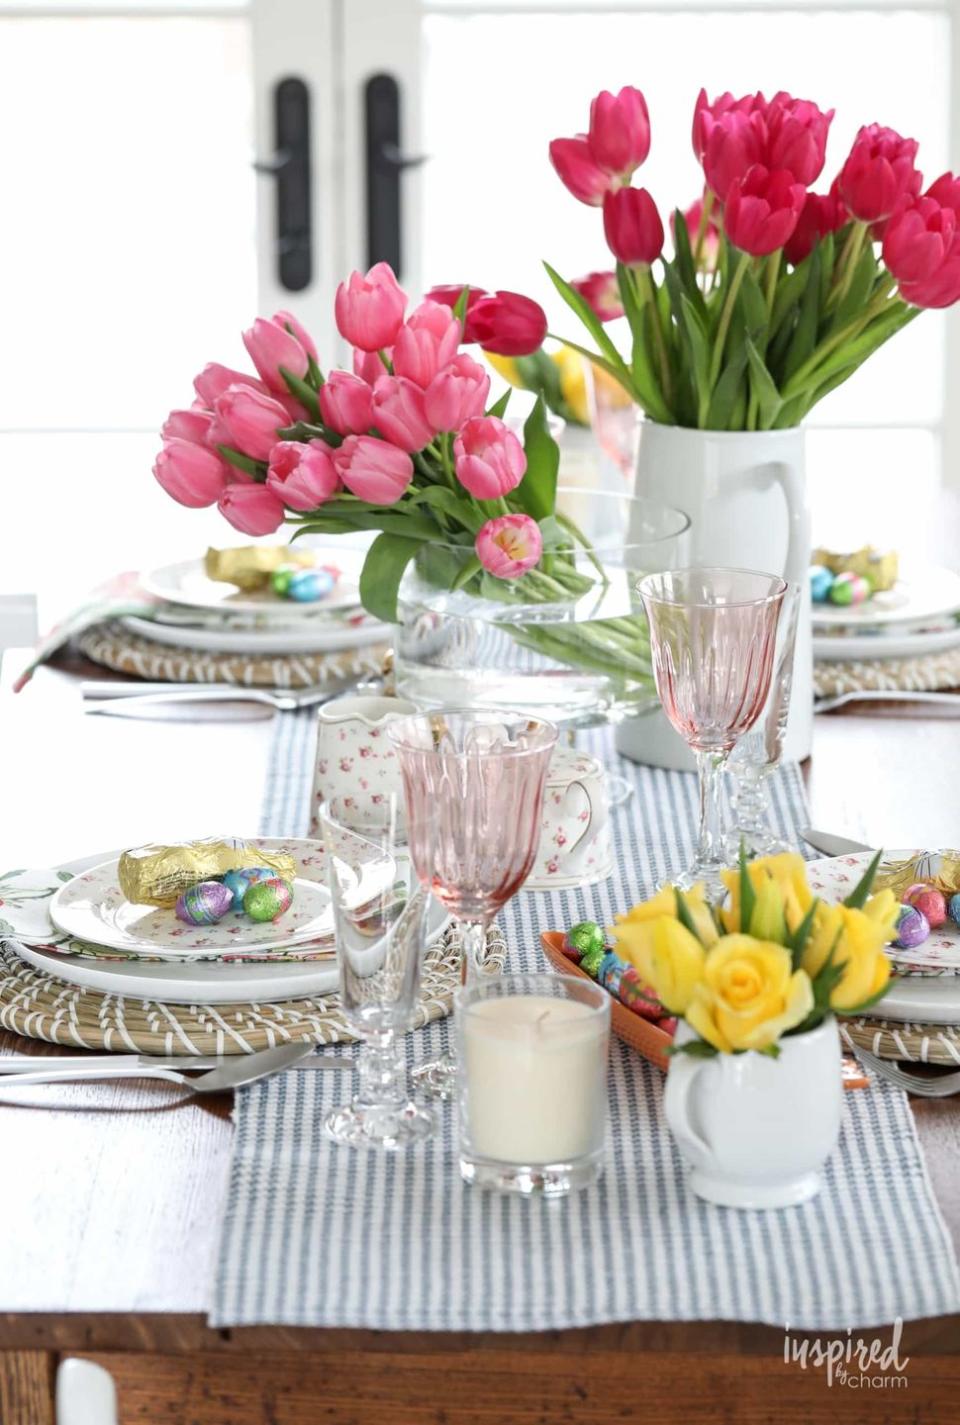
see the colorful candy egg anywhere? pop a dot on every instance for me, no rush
(929, 901)
(204, 904)
(267, 900)
(912, 928)
(307, 586)
(239, 882)
(849, 589)
(954, 908)
(280, 579)
(821, 582)
(585, 936)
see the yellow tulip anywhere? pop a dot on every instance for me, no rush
(750, 995)
(665, 955)
(573, 383)
(859, 937)
(506, 367)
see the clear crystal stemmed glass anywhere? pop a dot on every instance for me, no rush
(712, 638)
(757, 753)
(473, 783)
(380, 915)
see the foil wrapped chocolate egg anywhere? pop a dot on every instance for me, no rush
(267, 900)
(280, 579)
(821, 582)
(912, 928)
(583, 937)
(929, 901)
(239, 882)
(849, 589)
(954, 908)
(308, 586)
(204, 904)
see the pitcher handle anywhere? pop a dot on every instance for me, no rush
(683, 1074)
(791, 482)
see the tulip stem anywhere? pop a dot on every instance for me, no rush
(847, 265)
(770, 280)
(702, 227)
(726, 316)
(646, 282)
(386, 360)
(800, 377)
(446, 460)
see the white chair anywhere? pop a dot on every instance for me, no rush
(86, 1394)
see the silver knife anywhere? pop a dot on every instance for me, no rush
(29, 1063)
(832, 845)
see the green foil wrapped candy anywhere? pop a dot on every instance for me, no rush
(584, 937)
(267, 900)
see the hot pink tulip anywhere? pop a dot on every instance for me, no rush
(214, 380)
(946, 190)
(250, 420)
(369, 309)
(796, 137)
(488, 457)
(762, 210)
(600, 290)
(271, 346)
(450, 294)
(942, 288)
(456, 394)
(251, 508)
(426, 343)
(619, 136)
(506, 324)
(289, 322)
(705, 113)
(735, 141)
(821, 213)
(346, 402)
(302, 476)
(190, 474)
(372, 469)
(579, 171)
(188, 425)
(368, 365)
(632, 226)
(709, 243)
(918, 240)
(398, 412)
(508, 546)
(879, 173)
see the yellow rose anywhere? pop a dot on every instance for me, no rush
(859, 936)
(787, 873)
(665, 955)
(749, 995)
(665, 903)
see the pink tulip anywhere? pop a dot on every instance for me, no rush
(762, 210)
(250, 420)
(796, 137)
(879, 173)
(506, 324)
(190, 474)
(369, 366)
(600, 290)
(450, 294)
(456, 394)
(302, 476)
(706, 113)
(821, 213)
(426, 343)
(709, 243)
(946, 190)
(271, 346)
(369, 309)
(508, 546)
(188, 425)
(579, 171)
(488, 458)
(918, 240)
(398, 412)
(251, 508)
(346, 402)
(372, 469)
(619, 136)
(942, 288)
(734, 142)
(214, 380)
(287, 320)
(632, 226)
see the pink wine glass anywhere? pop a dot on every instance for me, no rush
(473, 783)
(712, 639)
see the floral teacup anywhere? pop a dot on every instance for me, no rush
(575, 846)
(355, 761)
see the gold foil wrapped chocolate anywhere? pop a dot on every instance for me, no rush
(250, 566)
(157, 875)
(881, 569)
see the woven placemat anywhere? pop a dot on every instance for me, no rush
(40, 1006)
(935, 670)
(111, 645)
(892, 1039)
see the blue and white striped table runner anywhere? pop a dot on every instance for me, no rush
(316, 1235)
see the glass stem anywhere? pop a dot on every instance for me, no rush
(750, 798)
(474, 947)
(382, 1071)
(710, 766)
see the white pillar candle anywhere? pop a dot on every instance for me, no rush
(534, 1078)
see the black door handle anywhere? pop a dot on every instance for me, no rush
(290, 166)
(386, 163)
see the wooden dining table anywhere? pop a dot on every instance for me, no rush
(112, 1196)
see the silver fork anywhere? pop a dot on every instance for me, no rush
(282, 700)
(941, 1087)
(228, 1076)
(889, 695)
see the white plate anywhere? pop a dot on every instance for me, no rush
(917, 594)
(835, 877)
(92, 907)
(186, 583)
(886, 645)
(328, 637)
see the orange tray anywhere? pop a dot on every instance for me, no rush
(643, 1034)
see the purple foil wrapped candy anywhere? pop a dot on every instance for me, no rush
(912, 928)
(204, 904)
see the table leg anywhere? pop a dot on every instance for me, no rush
(27, 1387)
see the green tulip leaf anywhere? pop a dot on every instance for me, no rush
(256, 468)
(581, 307)
(857, 898)
(537, 491)
(499, 408)
(301, 392)
(383, 569)
(763, 387)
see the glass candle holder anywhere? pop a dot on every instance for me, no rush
(532, 1082)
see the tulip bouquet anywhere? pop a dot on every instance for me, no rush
(775, 961)
(775, 294)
